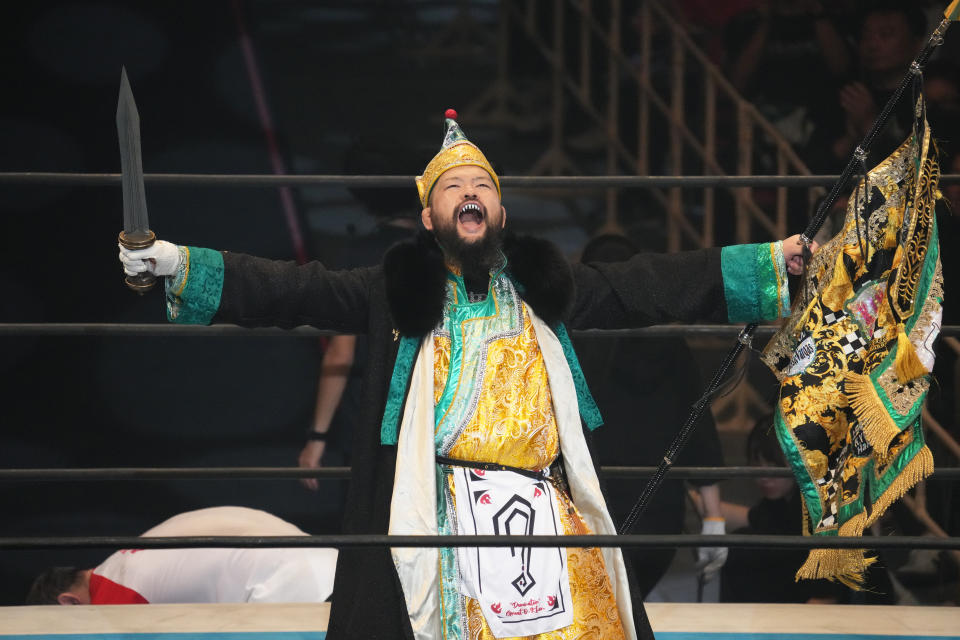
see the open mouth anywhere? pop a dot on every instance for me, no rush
(470, 215)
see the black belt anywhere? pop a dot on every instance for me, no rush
(492, 466)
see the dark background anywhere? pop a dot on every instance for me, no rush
(351, 88)
(329, 78)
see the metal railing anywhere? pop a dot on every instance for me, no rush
(572, 85)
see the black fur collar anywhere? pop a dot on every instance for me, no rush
(416, 280)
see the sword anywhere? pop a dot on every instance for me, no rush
(136, 232)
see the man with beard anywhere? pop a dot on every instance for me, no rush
(475, 397)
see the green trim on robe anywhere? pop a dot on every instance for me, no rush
(193, 294)
(452, 613)
(907, 419)
(791, 451)
(755, 282)
(501, 314)
(402, 370)
(587, 405)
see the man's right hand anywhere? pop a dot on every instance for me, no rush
(160, 259)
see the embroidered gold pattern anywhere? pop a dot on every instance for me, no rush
(888, 178)
(458, 155)
(848, 422)
(441, 365)
(919, 232)
(514, 424)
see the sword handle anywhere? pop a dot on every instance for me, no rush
(142, 282)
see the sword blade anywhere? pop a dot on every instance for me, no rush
(128, 130)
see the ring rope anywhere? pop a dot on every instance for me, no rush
(232, 330)
(199, 473)
(582, 541)
(51, 178)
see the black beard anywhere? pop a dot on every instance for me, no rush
(476, 259)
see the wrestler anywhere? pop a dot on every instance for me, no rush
(474, 399)
(167, 576)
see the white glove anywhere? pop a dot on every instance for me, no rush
(160, 259)
(710, 559)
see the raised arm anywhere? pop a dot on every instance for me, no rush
(258, 292)
(740, 283)
(204, 286)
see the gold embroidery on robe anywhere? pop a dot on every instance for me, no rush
(514, 424)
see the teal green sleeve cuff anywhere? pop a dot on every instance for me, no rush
(755, 282)
(193, 293)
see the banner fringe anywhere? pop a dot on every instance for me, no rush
(846, 566)
(849, 566)
(878, 427)
(919, 468)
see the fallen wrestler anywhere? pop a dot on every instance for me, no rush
(155, 576)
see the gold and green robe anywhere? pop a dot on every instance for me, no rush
(487, 397)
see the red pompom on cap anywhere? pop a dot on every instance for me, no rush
(450, 113)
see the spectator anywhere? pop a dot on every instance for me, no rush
(942, 84)
(786, 56)
(705, 21)
(890, 36)
(335, 369)
(339, 394)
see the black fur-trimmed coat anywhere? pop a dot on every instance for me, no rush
(404, 296)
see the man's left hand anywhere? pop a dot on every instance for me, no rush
(711, 559)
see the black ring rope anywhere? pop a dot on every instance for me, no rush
(67, 179)
(198, 473)
(729, 473)
(372, 540)
(96, 329)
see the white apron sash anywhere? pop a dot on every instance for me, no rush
(522, 591)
